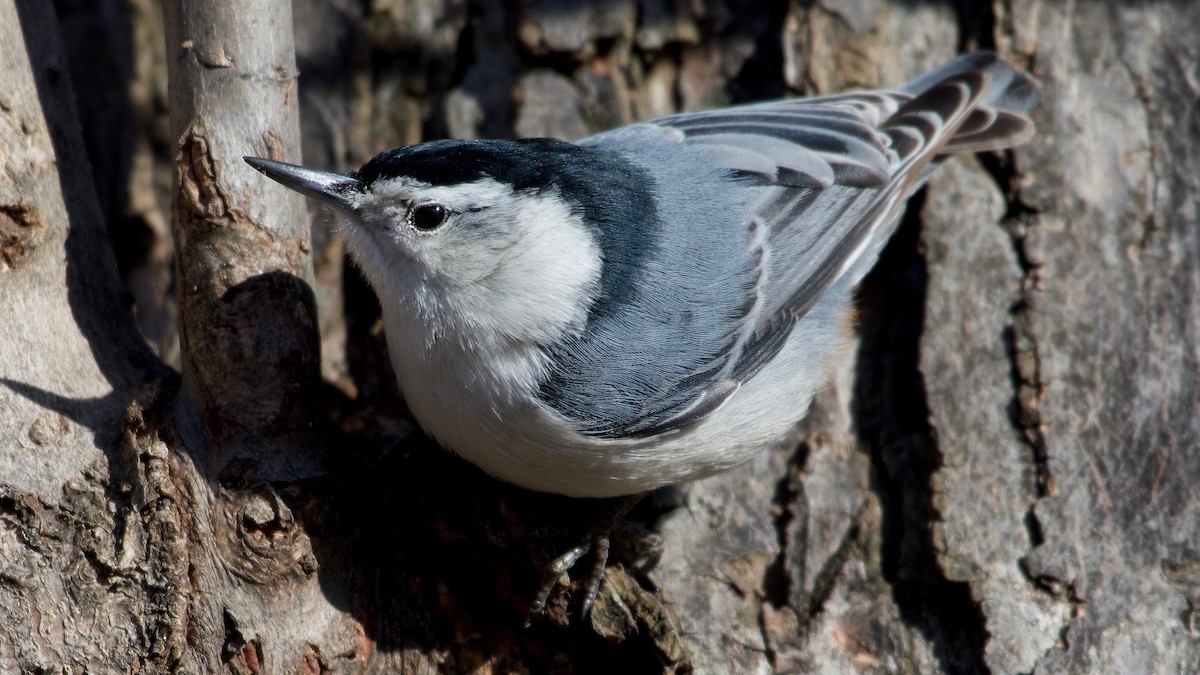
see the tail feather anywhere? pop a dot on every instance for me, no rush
(1000, 117)
(1010, 89)
(1007, 131)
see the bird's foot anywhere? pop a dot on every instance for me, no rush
(599, 542)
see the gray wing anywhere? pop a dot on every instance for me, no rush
(831, 176)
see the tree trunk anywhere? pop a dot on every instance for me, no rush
(1001, 477)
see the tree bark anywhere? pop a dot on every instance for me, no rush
(1000, 477)
(243, 261)
(72, 362)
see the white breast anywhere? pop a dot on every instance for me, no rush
(491, 417)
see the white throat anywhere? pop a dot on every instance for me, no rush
(470, 358)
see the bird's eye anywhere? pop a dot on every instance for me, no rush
(429, 216)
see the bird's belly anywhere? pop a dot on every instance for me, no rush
(534, 449)
(521, 441)
(491, 417)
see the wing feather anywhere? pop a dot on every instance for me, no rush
(828, 178)
(781, 156)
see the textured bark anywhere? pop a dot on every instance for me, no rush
(1001, 476)
(71, 363)
(243, 261)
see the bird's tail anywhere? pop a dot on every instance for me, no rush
(974, 103)
(1000, 118)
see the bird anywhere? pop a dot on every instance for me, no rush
(656, 303)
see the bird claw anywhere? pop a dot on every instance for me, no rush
(600, 546)
(598, 542)
(561, 564)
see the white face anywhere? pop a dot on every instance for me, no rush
(490, 266)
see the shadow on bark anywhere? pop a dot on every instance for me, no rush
(891, 418)
(102, 315)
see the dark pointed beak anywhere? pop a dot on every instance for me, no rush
(334, 189)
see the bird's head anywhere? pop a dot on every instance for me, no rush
(478, 241)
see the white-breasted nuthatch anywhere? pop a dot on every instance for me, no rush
(655, 303)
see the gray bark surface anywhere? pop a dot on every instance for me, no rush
(1001, 477)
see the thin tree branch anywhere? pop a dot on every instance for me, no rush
(248, 319)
